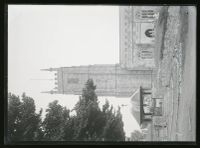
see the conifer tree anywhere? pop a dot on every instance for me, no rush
(88, 112)
(93, 124)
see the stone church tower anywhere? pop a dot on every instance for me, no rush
(110, 80)
(137, 48)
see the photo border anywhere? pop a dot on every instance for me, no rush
(75, 2)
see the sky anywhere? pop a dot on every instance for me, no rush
(44, 36)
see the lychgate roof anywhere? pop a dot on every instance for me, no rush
(135, 102)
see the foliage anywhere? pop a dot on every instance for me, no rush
(89, 124)
(113, 129)
(23, 122)
(13, 117)
(54, 121)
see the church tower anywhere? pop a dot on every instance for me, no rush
(137, 59)
(137, 36)
(110, 79)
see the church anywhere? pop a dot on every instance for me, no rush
(137, 62)
(133, 75)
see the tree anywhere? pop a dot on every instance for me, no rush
(113, 129)
(54, 121)
(93, 124)
(13, 117)
(89, 124)
(70, 128)
(29, 119)
(88, 112)
(23, 122)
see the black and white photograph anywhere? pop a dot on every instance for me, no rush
(101, 73)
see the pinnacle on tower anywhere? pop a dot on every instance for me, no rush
(50, 92)
(50, 69)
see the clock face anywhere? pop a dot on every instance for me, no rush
(149, 33)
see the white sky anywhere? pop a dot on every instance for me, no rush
(59, 36)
